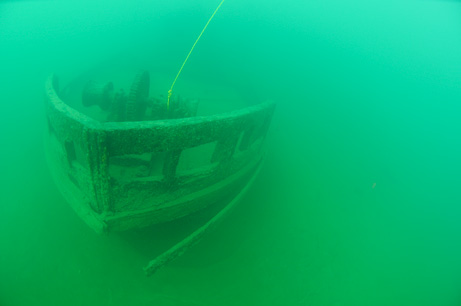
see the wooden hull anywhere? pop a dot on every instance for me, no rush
(122, 175)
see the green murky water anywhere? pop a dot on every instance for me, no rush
(359, 199)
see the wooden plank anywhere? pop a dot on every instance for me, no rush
(181, 247)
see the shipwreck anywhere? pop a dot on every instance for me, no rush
(137, 162)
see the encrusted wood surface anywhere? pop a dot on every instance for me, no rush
(123, 191)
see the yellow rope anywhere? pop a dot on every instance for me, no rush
(170, 92)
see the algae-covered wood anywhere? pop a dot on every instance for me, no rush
(120, 175)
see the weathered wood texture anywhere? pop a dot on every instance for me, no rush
(106, 163)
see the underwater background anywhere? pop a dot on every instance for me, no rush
(358, 202)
